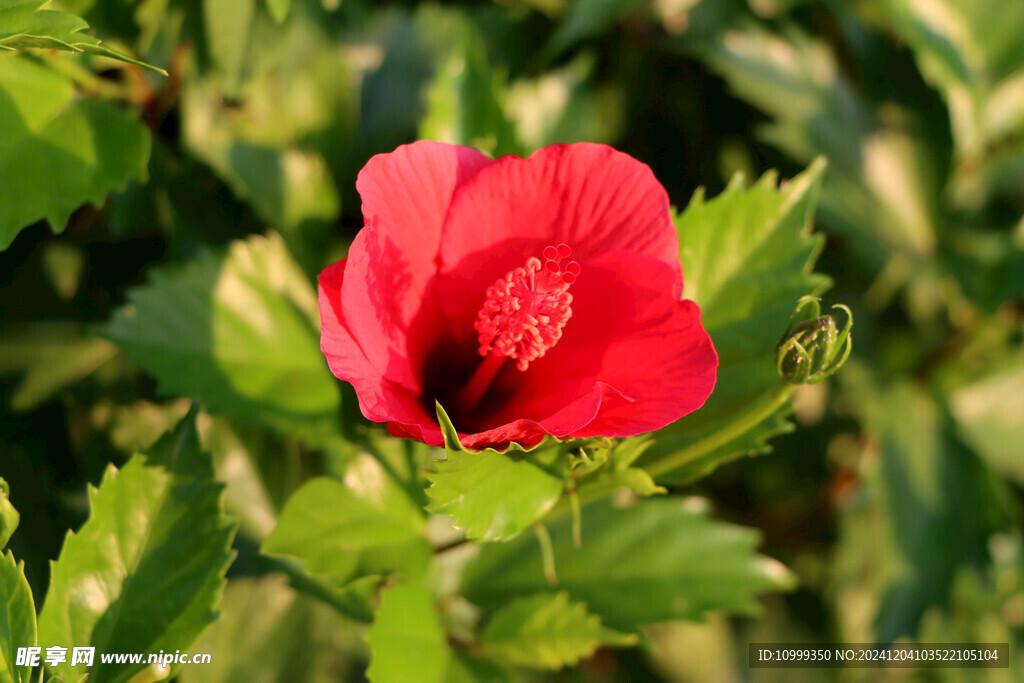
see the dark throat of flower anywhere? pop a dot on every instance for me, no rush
(522, 318)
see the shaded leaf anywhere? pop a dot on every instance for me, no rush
(239, 332)
(407, 641)
(660, 559)
(111, 587)
(363, 526)
(24, 25)
(748, 256)
(59, 151)
(546, 631)
(51, 356)
(17, 617)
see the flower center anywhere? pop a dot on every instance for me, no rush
(526, 310)
(522, 317)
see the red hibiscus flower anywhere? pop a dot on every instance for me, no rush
(529, 296)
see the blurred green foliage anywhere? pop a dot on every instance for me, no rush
(898, 503)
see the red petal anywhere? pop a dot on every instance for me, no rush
(389, 296)
(652, 347)
(591, 197)
(380, 399)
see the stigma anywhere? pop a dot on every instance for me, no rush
(525, 311)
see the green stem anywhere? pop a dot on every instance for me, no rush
(547, 553)
(759, 411)
(305, 583)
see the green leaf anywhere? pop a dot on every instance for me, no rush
(17, 618)
(988, 417)
(146, 570)
(464, 102)
(24, 25)
(51, 356)
(660, 559)
(9, 516)
(238, 332)
(367, 525)
(407, 640)
(545, 631)
(58, 150)
(747, 256)
(491, 495)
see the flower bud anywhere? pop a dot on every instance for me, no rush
(811, 348)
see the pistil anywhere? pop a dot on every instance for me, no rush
(522, 317)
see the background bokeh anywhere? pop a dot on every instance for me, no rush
(897, 501)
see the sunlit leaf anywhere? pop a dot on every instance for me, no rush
(58, 150)
(657, 560)
(492, 495)
(146, 570)
(546, 631)
(239, 332)
(17, 618)
(24, 25)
